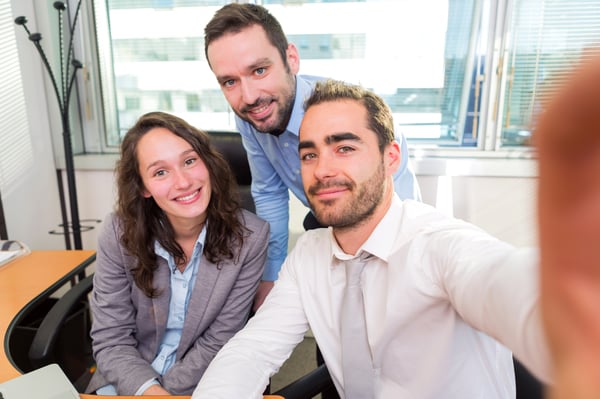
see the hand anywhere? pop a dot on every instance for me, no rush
(568, 140)
(156, 390)
(261, 293)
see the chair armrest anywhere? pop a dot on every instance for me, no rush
(41, 352)
(308, 385)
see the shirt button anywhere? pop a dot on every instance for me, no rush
(286, 144)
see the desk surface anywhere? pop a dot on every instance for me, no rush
(30, 279)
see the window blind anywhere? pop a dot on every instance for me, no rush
(15, 143)
(546, 39)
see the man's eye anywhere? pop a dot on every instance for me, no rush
(260, 71)
(308, 156)
(228, 83)
(345, 149)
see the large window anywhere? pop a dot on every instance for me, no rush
(456, 73)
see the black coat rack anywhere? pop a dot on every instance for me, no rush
(68, 70)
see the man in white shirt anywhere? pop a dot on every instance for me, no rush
(443, 300)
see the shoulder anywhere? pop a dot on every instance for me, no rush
(317, 241)
(423, 220)
(254, 223)
(110, 229)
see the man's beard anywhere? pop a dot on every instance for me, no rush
(357, 210)
(283, 113)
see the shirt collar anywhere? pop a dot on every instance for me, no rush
(198, 247)
(379, 243)
(304, 89)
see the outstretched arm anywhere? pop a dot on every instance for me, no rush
(568, 140)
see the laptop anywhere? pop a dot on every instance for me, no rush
(48, 382)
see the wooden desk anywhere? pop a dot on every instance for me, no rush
(25, 282)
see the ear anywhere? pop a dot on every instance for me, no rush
(146, 193)
(392, 156)
(293, 58)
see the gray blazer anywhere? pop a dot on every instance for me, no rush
(128, 327)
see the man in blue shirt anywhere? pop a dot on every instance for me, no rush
(257, 70)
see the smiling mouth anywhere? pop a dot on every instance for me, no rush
(187, 197)
(258, 110)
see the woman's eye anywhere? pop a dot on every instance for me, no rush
(190, 161)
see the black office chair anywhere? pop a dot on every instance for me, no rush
(528, 387)
(318, 380)
(309, 385)
(70, 348)
(229, 144)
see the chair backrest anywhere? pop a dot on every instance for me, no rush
(229, 144)
(63, 336)
(528, 387)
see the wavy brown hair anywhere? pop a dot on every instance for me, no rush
(143, 222)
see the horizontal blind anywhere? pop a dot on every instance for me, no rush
(547, 38)
(16, 153)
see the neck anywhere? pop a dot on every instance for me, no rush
(351, 238)
(186, 237)
(188, 230)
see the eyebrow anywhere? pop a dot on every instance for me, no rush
(332, 138)
(260, 63)
(183, 154)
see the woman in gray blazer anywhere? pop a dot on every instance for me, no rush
(178, 262)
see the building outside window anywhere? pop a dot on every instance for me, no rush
(469, 74)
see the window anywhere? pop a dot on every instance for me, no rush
(456, 73)
(16, 147)
(545, 38)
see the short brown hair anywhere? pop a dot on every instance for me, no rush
(379, 114)
(235, 17)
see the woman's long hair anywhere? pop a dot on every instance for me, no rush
(143, 222)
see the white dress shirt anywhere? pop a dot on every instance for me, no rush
(436, 292)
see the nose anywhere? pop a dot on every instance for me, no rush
(250, 94)
(182, 180)
(324, 167)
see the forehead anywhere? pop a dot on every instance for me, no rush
(239, 49)
(159, 143)
(342, 116)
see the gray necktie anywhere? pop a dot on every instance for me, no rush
(357, 364)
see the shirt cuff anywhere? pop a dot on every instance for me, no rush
(146, 385)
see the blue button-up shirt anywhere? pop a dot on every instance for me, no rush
(182, 285)
(275, 167)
